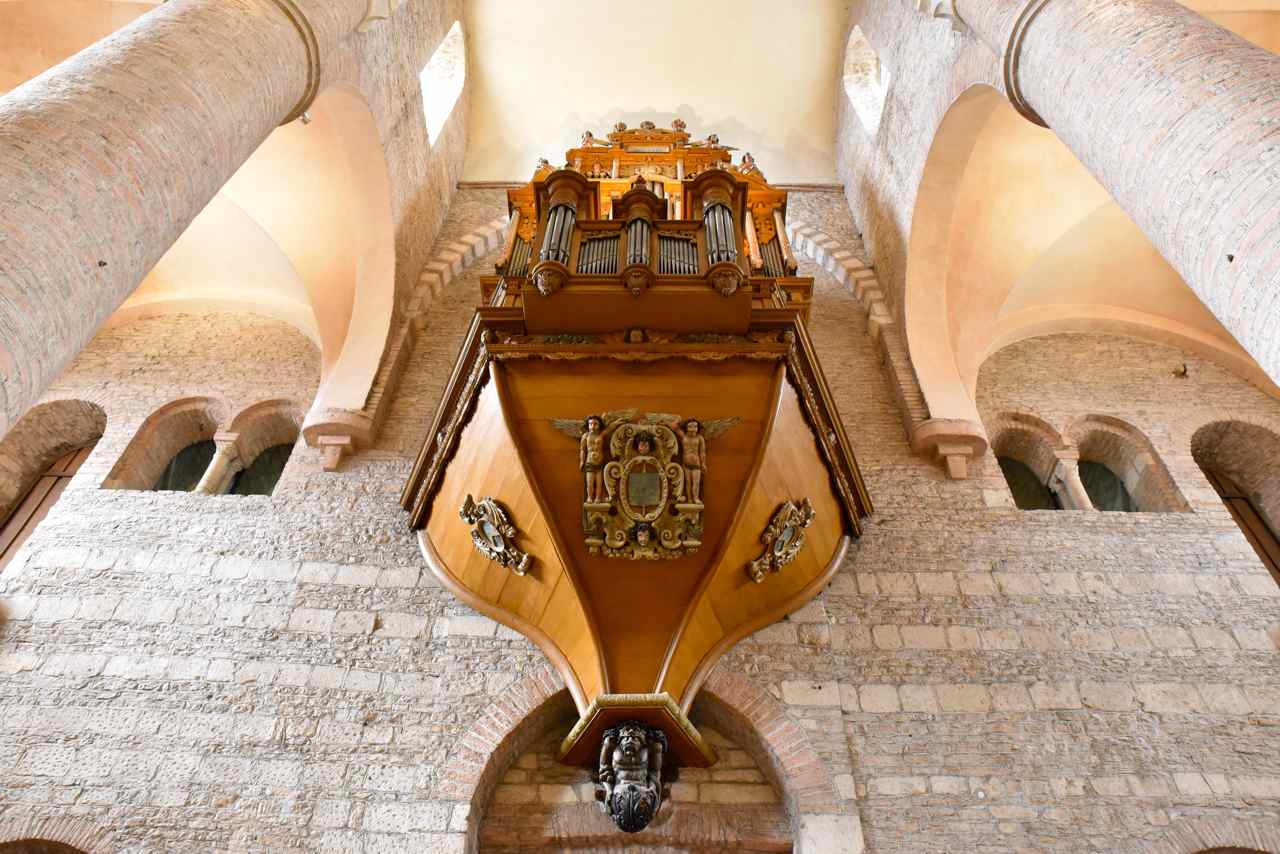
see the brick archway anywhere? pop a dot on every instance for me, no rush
(821, 820)
(78, 834)
(1210, 835)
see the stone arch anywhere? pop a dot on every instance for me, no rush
(1011, 238)
(866, 81)
(1129, 454)
(821, 820)
(161, 436)
(1029, 439)
(1247, 453)
(40, 437)
(361, 267)
(1219, 835)
(264, 425)
(57, 835)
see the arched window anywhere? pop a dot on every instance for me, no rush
(1025, 447)
(866, 81)
(184, 471)
(265, 434)
(442, 81)
(1106, 490)
(35, 506)
(1120, 469)
(261, 476)
(172, 449)
(1029, 492)
(1242, 463)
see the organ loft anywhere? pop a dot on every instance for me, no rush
(637, 460)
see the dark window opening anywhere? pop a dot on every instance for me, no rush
(261, 477)
(1252, 524)
(1029, 493)
(32, 509)
(1106, 490)
(187, 467)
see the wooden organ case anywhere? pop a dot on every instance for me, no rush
(637, 461)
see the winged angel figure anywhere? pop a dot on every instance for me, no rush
(593, 431)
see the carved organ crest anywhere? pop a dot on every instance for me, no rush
(643, 481)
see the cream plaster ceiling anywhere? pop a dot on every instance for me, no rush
(761, 74)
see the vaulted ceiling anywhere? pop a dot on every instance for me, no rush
(759, 73)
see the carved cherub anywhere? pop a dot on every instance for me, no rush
(592, 432)
(748, 164)
(543, 163)
(678, 125)
(589, 141)
(630, 774)
(694, 447)
(619, 127)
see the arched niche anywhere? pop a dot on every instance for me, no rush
(538, 707)
(161, 437)
(1012, 238)
(45, 433)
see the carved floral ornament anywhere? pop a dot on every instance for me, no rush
(783, 539)
(493, 534)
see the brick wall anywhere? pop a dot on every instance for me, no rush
(281, 674)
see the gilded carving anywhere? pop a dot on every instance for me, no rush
(783, 539)
(643, 478)
(726, 280)
(493, 534)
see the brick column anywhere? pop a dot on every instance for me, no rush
(106, 159)
(1179, 119)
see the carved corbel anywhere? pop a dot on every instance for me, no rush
(954, 441)
(943, 9)
(337, 433)
(379, 10)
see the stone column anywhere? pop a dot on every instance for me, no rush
(1179, 119)
(223, 467)
(1066, 484)
(106, 159)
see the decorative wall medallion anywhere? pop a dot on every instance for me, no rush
(783, 539)
(493, 533)
(643, 479)
(629, 781)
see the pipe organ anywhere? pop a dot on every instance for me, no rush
(637, 461)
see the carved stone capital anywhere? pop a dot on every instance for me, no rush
(952, 440)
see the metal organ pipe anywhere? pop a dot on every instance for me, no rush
(722, 244)
(638, 242)
(560, 223)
